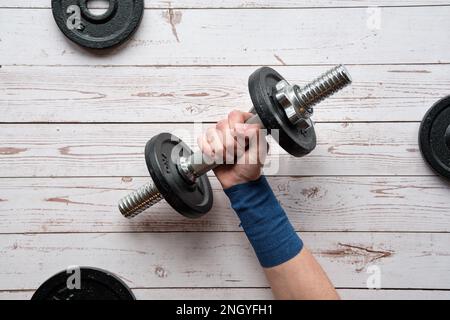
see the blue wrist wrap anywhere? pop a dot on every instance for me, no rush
(265, 223)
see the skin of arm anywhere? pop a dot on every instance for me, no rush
(302, 277)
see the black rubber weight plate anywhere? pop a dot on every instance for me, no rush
(295, 141)
(190, 200)
(96, 284)
(109, 29)
(434, 137)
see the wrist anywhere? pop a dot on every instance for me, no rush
(264, 222)
(230, 180)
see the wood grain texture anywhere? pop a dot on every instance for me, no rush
(242, 3)
(198, 37)
(364, 197)
(255, 294)
(149, 260)
(117, 150)
(394, 204)
(266, 294)
(194, 94)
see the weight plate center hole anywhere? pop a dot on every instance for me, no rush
(97, 7)
(447, 137)
(98, 11)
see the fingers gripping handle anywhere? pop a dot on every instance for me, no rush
(198, 164)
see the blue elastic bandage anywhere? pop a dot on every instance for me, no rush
(265, 223)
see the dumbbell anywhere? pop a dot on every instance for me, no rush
(434, 137)
(179, 175)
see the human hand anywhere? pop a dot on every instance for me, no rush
(240, 148)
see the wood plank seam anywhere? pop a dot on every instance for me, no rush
(197, 27)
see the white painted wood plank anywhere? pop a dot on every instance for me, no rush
(357, 294)
(136, 94)
(16, 295)
(241, 3)
(117, 150)
(414, 204)
(209, 259)
(256, 294)
(202, 37)
(266, 294)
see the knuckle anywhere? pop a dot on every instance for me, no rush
(221, 124)
(210, 133)
(235, 114)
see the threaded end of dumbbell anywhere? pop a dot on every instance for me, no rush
(324, 86)
(139, 200)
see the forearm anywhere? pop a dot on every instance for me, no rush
(291, 270)
(300, 278)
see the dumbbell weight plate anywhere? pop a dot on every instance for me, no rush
(294, 140)
(192, 200)
(434, 137)
(96, 284)
(109, 29)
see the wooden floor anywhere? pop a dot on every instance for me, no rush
(74, 125)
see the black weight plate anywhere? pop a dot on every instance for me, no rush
(95, 284)
(434, 137)
(161, 155)
(109, 29)
(295, 141)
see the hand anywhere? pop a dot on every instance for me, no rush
(241, 148)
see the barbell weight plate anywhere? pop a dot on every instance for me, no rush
(95, 284)
(291, 138)
(107, 30)
(434, 137)
(162, 153)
